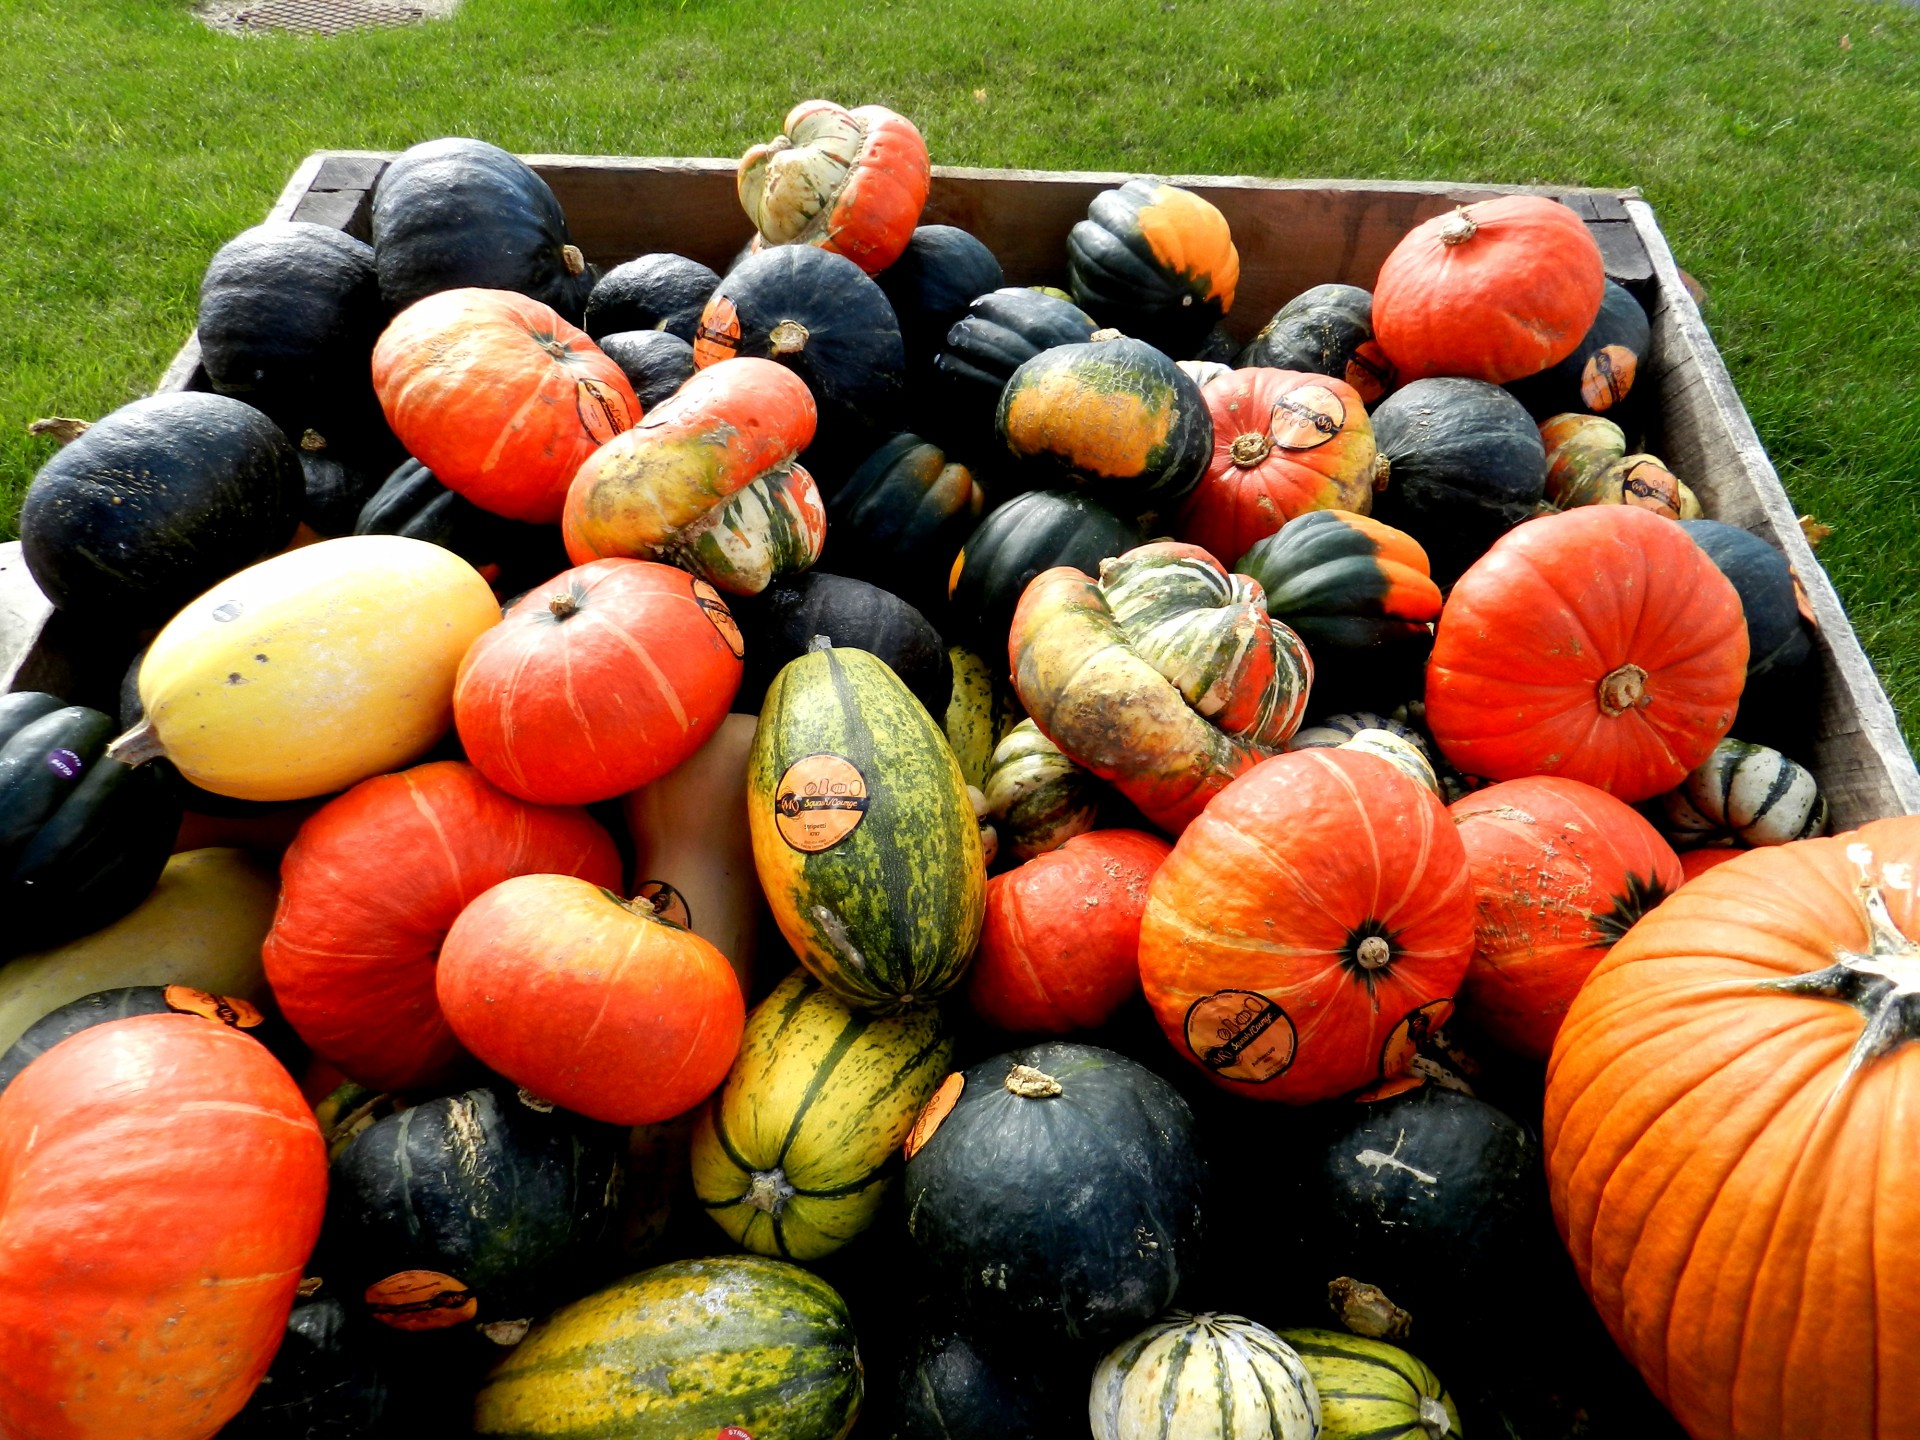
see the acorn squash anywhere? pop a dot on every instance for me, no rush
(660, 292)
(1327, 330)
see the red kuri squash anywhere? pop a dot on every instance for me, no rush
(161, 1186)
(370, 887)
(1602, 645)
(499, 397)
(597, 682)
(1309, 927)
(593, 1002)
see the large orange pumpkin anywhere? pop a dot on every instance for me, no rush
(368, 890)
(593, 1002)
(161, 1186)
(598, 682)
(849, 181)
(1284, 443)
(1560, 872)
(1493, 291)
(1731, 1142)
(1602, 645)
(1309, 927)
(499, 397)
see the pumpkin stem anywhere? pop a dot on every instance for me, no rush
(1100, 337)
(309, 1286)
(563, 605)
(1623, 690)
(571, 257)
(1031, 1084)
(313, 442)
(1374, 952)
(534, 1102)
(1250, 449)
(1458, 228)
(1433, 1418)
(769, 1191)
(789, 337)
(137, 746)
(1382, 472)
(1365, 1309)
(819, 643)
(61, 429)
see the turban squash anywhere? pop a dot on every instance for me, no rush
(849, 181)
(1727, 1148)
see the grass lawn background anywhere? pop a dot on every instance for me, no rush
(1784, 165)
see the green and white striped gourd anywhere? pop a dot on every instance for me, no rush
(1037, 797)
(1398, 751)
(1370, 1390)
(1745, 794)
(1203, 1377)
(773, 526)
(1337, 730)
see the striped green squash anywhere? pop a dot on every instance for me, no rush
(772, 526)
(1203, 1377)
(1038, 797)
(863, 835)
(1745, 794)
(1370, 1390)
(678, 1352)
(794, 1152)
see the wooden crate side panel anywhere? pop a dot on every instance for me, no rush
(1709, 440)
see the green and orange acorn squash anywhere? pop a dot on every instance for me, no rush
(1155, 261)
(1341, 579)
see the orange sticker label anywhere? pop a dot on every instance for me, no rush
(668, 903)
(421, 1300)
(1413, 1031)
(1307, 418)
(224, 1008)
(934, 1111)
(1651, 487)
(821, 800)
(1369, 372)
(1607, 377)
(1241, 1035)
(717, 337)
(603, 409)
(708, 599)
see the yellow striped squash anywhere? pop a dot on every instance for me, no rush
(1373, 1390)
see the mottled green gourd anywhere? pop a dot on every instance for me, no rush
(865, 841)
(1038, 797)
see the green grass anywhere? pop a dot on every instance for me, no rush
(1783, 166)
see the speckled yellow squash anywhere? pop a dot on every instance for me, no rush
(311, 671)
(680, 1351)
(1370, 1389)
(794, 1153)
(864, 837)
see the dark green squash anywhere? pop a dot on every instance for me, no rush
(901, 517)
(1598, 377)
(506, 1202)
(655, 362)
(510, 554)
(942, 270)
(1776, 637)
(83, 839)
(1017, 540)
(323, 1384)
(454, 212)
(1059, 1193)
(952, 1385)
(999, 333)
(1327, 330)
(1466, 466)
(288, 316)
(340, 480)
(157, 502)
(782, 623)
(105, 1005)
(1114, 417)
(1154, 261)
(820, 315)
(1345, 580)
(661, 291)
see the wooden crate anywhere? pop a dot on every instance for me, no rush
(1292, 234)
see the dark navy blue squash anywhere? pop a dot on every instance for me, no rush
(1017, 540)
(999, 333)
(1776, 637)
(655, 362)
(323, 1384)
(661, 291)
(1598, 377)
(1327, 330)
(510, 554)
(942, 270)
(901, 518)
(853, 614)
(340, 480)
(105, 1005)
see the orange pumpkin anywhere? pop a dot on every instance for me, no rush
(1059, 951)
(1602, 645)
(1284, 443)
(1560, 872)
(1494, 291)
(1698, 862)
(1730, 1142)
(1309, 927)
(597, 682)
(499, 397)
(161, 1186)
(849, 181)
(593, 1002)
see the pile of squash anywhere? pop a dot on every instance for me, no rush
(698, 855)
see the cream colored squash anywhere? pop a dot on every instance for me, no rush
(690, 832)
(202, 926)
(311, 671)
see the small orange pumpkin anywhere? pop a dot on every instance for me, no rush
(499, 397)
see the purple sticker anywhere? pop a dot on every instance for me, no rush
(65, 764)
